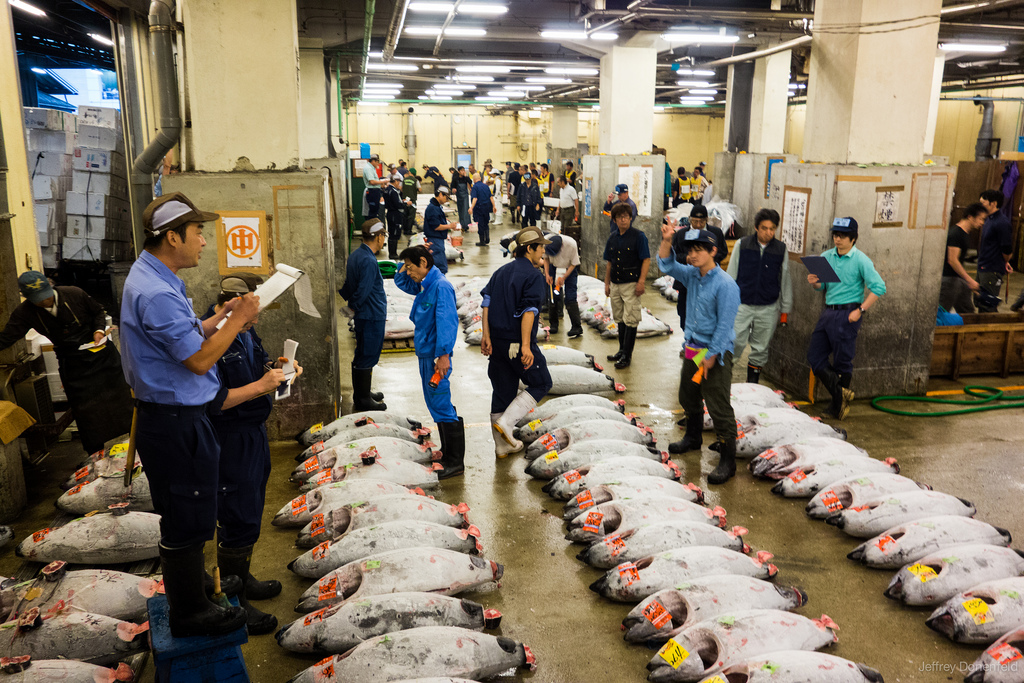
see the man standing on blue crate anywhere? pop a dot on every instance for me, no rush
(169, 358)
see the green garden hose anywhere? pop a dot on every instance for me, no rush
(983, 398)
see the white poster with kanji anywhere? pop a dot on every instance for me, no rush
(640, 180)
(795, 202)
(243, 245)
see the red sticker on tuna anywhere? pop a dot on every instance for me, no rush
(572, 476)
(657, 614)
(317, 525)
(768, 454)
(40, 535)
(320, 552)
(329, 590)
(584, 500)
(317, 447)
(76, 489)
(884, 542)
(628, 573)
(315, 616)
(1004, 653)
(311, 464)
(593, 522)
(615, 545)
(831, 501)
(299, 502)
(797, 476)
(548, 441)
(82, 473)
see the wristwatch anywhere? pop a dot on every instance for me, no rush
(862, 310)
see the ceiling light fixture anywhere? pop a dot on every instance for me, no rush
(483, 69)
(371, 94)
(391, 67)
(452, 86)
(25, 7)
(37, 70)
(570, 71)
(548, 81)
(473, 79)
(482, 8)
(382, 84)
(563, 34)
(604, 35)
(523, 87)
(101, 39)
(701, 98)
(972, 47)
(490, 98)
(441, 98)
(695, 72)
(797, 86)
(423, 30)
(465, 31)
(453, 93)
(702, 91)
(700, 38)
(693, 84)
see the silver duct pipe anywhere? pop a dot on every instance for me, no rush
(165, 85)
(394, 30)
(748, 56)
(984, 145)
(410, 141)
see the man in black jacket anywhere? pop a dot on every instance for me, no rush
(394, 211)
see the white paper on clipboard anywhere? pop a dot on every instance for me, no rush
(277, 284)
(285, 389)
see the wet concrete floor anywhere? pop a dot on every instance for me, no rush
(573, 632)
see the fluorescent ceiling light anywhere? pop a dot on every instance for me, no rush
(506, 93)
(423, 97)
(24, 6)
(570, 71)
(440, 98)
(381, 84)
(695, 72)
(596, 107)
(702, 98)
(483, 69)
(797, 86)
(702, 91)
(423, 30)
(37, 70)
(604, 35)
(693, 84)
(564, 34)
(375, 55)
(464, 31)
(473, 79)
(377, 96)
(699, 38)
(522, 87)
(452, 86)
(693, 104)
(106, 41)
(482, 8)
(372, 104)
(971, 47)
(659, 109)
(374, 94)
(453, 93)
(491, 99)
(391, 67)
(549, 81)
(439, 7)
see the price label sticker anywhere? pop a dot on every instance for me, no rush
(615, 545)
(922, 571)
(76, 489)
(593, 522)
(673, 653)
(657, 614)
(797, 476)
(40, 535)
(978, 609)
(329, 590)
(320, 552)
(118, 448)
(534, 424)
(572, 476)
(317, 447)
(584, 500)
(316, 527)
(315, 616)
(1004, 653)
(831, 501)
(311, 465)
(548, 441)
(884, 542)
(372, 564)
(82, 473)
(315, 429)
(768, 454)
(629, 573)
(551, 455)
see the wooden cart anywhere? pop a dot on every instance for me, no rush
(986, 344)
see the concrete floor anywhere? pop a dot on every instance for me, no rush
(544, 595)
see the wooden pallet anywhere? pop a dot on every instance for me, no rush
(398, 346)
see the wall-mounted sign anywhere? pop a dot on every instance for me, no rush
(242, 242)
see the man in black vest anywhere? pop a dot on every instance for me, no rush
(760, 266)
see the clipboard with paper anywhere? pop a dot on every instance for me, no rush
(819, 265)
(284, 278)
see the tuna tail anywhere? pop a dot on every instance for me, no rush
(942, 622)
(777, 489)
(873, 676)
(837, 521)
(857, 554)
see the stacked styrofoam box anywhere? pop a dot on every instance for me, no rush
(41, 346)
(51, 137)
(98, 223)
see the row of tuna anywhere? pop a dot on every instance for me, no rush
(391, 563)
(702, 596)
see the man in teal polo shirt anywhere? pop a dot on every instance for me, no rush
(846, 302)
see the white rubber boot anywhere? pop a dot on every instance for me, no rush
(506, 423)
(501, 449)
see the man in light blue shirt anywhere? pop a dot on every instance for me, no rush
(713, 299)
(845, 305)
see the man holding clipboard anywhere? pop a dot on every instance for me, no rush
(852, 286)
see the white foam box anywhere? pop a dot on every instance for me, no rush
(50, 119)
(100, 137)
(106, 117)
(50, 186)
(51, 256)
(50, 216)
(56, 386)
(49, 163)
(101, 183)
(82, 249)
(98, 228)
(43, 140)
(95, 204)
(102, 160)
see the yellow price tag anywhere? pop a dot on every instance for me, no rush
(548, 347)
(315, 429)
(673, 653)
(922, 571)
(715, 679)
(978, 609)
(534, 424)
(551, 455)
(118, 448)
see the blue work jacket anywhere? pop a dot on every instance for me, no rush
(433, 313)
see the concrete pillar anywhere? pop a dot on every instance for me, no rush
(933, 106)
(313, 99)
(626, 124)
(768, 100)
(565, 123)
(739, 87)
(243, 78)
(869, 93)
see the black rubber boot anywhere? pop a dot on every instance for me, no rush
(753, 374)
(572, 308)
(726, 469)
(627, 348)
(361, 399)
(191, 612)
(393, 249)
(555, 313)
(229, 585)
(622, 335)
(377, 395)
(236, 561)
(453, 448)
(692, 440)
(830, 380)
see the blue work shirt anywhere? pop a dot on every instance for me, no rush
(712, 301)
(856, 271)
(434, 313)
(608, 207)
(513, 290)
(159, 331)
(243, 363)
(482, 194)
(364, 286)
(433, 217)
(996, 240)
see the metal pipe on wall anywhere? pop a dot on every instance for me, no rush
(394, 30)
(165, 86)
(748, 56)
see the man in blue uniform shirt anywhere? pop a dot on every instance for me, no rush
(436, 318)
(529, 199)
(169, 359)
(620, 196)
(845, 306)
(364, 292)
(239, 413)
(436, 227)
(511, 306)
(712, 301)
(995, 247)
(482, 206)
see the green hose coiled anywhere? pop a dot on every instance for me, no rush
(983, 398)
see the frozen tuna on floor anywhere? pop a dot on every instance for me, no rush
(634, 581)
(630, 488)
(322, 432)
(1001, 662)
(620, 515)
(110, 537)
(70, 634)
(572, 379)
(536, 428)
(359, 543)
(571, 483)
(108, 490)
(395, 470)
(95, 468)
(428, 570)
(553, 463)
(422, 652)
(857, 490)
(938, 576)
(367, 431)
(810, 480)
(301, 509)
(336, 522)
(734, 638)
(796, 666)
(910, 542)
(743, 409)
(28, 670)
(757, 394)
(355, 451)
(559, 403)
(589, 430)
(657, 617)
(980, 615)
(98, 591)
(778, 461)
(564, 355)
(774, 426)
(6, 535)
(872, 518)
(340, 628)
(631, 545)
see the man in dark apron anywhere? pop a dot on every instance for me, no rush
(93, 381)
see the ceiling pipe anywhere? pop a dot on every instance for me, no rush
(395, 27)
(977, 7)
(165, 86)
(444, 27)
(748, 56)
(371, 6)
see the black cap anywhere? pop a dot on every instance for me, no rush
(699, 211)
(555, 246)
(695, 236)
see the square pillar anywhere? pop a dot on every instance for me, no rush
(565, 123)
(313, 97)
(626, 124)
(768, 100)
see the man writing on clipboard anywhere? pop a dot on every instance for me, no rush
(845, 305)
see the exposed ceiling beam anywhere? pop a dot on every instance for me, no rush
(447, 22)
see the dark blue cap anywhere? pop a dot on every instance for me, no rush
(621, 187)
(694, 236)
(34, 286)
(845, 225)
(555, 246)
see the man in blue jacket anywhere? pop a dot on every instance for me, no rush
(436, 318)
(529, 199)
(482, 206)
(714, 299)
(364, 292)
(436, 227)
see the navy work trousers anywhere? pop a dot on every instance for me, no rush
(836, 335)
(242, 487)
(483, 225)
(369, 341)
(505, 374)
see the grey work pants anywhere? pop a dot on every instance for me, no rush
(755, 324)
(954, 294)
(714, 391)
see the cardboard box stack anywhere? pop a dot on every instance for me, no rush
(51, 137)
(98, 221)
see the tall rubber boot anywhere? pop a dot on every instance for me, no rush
(453, 457)
(555, 313)
(830, 380)
(627, 348)
(501, 449)
(753, 374)
(236, 561)
(572, 308)
(726, 468)
(361, 399)
(191, 612)
(506, 424)
(693, 438)
(845, 380)
(393, 249)
(622, 335)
